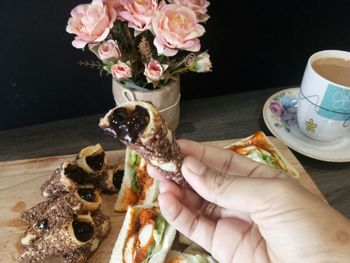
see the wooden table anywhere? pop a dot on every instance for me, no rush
(218, 118)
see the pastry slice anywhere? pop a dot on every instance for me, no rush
(66, 178)
(92, 159)
(53, 211)
(72, 235)
(74, 238)
(140, 126)
(110, 179)
(138, 188)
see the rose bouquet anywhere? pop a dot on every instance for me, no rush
(142, 43)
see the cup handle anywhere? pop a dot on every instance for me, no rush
(128, 95)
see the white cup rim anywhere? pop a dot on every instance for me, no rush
(331, 53)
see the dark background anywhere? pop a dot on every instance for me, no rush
(253, 45)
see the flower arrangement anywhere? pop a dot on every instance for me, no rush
(142, 43)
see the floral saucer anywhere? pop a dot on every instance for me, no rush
(280, 116)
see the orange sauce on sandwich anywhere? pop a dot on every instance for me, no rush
(131, 197)
(258, 140)
(146, 216)
(145, 180)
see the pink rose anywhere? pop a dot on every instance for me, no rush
(154, 71)
(138, 13)
(109, 49)
(115, 4)
(90, 22)
(121, 70)
(176, 27)
(198, 6)
(276, 108)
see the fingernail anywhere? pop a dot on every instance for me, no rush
(194, 166)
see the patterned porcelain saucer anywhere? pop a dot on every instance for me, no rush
(280, 116)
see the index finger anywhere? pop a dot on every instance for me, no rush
(225, 161)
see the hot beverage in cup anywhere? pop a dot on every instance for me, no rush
(336, 70)
(324, 97)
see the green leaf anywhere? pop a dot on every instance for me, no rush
(260, 156)
(194, 256)
(158, 235)
(161, 224)
(109, 62)
(134, 183)
(131, 85)
(134, 158)
(107, 68)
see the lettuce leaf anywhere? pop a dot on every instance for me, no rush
(194, 256)
(262, 157)
(134, 158)
(159, 233)
(198, 258)
(133, 161)
(189, 256)
(158, 236)
(134, 183)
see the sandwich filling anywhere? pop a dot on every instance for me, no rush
(147, 236)
(259, 149)
(140, 180)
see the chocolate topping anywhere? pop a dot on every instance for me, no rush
(87, 194)
(95, 161)
(118, 179)
(127, 124)
(76, 174)
(42, 224)
(83, 230)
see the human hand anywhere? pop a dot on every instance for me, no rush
(260, 216)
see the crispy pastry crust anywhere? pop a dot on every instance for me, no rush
(156, 143)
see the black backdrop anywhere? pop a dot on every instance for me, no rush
(253, 45)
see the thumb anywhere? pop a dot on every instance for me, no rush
(245, 194)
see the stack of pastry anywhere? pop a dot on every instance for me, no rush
(69, 222)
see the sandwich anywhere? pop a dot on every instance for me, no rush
(189, 255)
(140, 126)
(137, 188)
(259, 148)
(145, 236)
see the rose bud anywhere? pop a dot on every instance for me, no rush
(202, 63)
(121, 70)
(108, 50)
(154, 71)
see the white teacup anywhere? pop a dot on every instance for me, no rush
(324, 97)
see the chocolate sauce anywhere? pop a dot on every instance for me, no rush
(87, 194)
(83, 231)
(76, 174)
(127, 124)
(118, 179)
(96, 161)
(42, 224)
